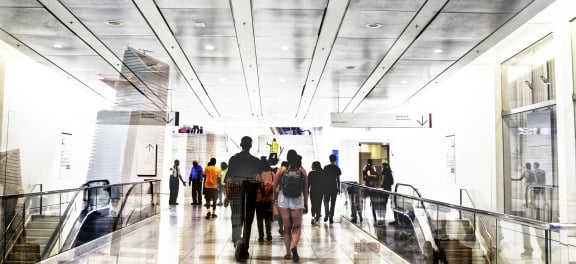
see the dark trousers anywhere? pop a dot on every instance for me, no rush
(378, 200)
(316, 201)
(174, 186)
(264, 218)
(330, 203)
(196, 191)
(242, 199)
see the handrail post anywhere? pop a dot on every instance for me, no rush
(41, 199)
(460, 211)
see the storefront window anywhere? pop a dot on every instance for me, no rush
(529, 134)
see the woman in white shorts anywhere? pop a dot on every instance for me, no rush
(292, 208)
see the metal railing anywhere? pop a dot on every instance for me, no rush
(67, 205)
(512, 238)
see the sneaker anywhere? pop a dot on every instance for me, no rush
(269, 237)
(208, 215)
(331, 220)
(353, 220)
(295, 256)
(325, 219)
(260, 239)
(360, 216)
(312, 222)
(214, 215)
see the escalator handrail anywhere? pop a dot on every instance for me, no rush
(501, 216)
(116, 220)
(66, 215)
(428, 218)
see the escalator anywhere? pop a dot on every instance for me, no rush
(90, 212)
(413, 228)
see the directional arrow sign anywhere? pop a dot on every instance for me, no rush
(381, 120)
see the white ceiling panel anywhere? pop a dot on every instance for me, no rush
(209, 47)
(220, 50)
(282, 48)
(289, 4)
(287, 23)
(356, 24)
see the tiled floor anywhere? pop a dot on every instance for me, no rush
(181, 234)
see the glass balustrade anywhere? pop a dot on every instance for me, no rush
(427, 231)
(42, 224)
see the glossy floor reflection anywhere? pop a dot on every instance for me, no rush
(181, 234)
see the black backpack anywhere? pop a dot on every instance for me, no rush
(292, 182)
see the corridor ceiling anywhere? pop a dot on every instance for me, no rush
(266, 61)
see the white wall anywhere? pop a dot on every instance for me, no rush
(38, 107)
(462, 106)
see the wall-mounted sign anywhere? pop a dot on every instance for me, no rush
(147, 158)
(65, 154)
(381, 120)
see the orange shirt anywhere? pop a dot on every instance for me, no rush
(266, 194)
(211, 174)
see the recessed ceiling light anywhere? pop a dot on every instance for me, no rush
(209, 47)
(404, 82)
(282, 80)
(373, 25)
(199, 24)
(438, 51)
(284, 48)
(58, 46)
(222, 79)
(114, 23)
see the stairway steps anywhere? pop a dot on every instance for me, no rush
(35, 232)
(42, 225)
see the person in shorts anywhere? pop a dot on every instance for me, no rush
(292, 208)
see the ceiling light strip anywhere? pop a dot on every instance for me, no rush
(331, 25)
(164, 34)
(424, 16)
(242, 13)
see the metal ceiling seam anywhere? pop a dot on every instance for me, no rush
(335, 13)
(75, 25)
(245, 38)
(417, 25)
(478, 49)
(151, 13)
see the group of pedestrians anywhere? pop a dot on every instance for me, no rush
(324, 186)
(252, 187)
(208, 182)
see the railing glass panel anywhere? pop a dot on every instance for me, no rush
(55, 221)
(427, 231)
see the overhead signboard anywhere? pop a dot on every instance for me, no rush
(381, 120)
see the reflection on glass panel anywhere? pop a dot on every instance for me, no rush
(530, 165)
(56, 221)
(528, 77)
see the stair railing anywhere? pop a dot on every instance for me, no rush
(15, 227)
(484, 231)
(59, 231)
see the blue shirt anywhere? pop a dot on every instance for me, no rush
(196, 173)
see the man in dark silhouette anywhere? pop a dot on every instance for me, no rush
(241, 187)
